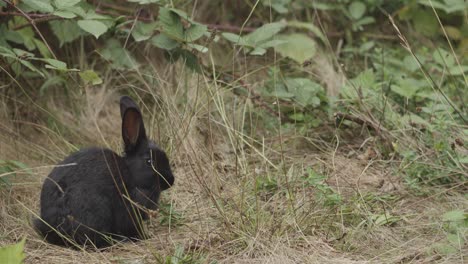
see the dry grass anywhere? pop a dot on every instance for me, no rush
(223, 211)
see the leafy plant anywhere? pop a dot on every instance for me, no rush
(8, 169)
(168, 215)
(325, 194)
(181, 256)
(13, 254)
(456, 227)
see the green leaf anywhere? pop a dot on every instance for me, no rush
(279, 6)
(197, 47)
(66, 31)
(425, 22)
(162, 41)
(56, 64)
(357, 9)
(385, 219)
(305, 91)
(143, 31)
(234, 38)
(309, 26)
(458, 70)
(31, 67)
(454, 216)
(443, 58)
(410, 63)
(120, 57)
(61, 4)
(20, 165)
(13, 254)
(65, 14)
(43, 6)
(271, 43)
(90, 76)
(171, 24)
(407, 92)
(195, 31)
(298, 47)
(258, 51)
(96, 28)
(264, 33)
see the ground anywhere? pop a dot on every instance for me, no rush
(239, 198)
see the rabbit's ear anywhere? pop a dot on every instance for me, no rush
(133, 129)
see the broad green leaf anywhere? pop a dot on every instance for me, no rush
(92, 15)
(234, 38)
(43, 6)
(10, 35)
(458, 70)
(13, 254)
(271, 43)
(297, 117)
(443, 58)
(171, 24)
(22, 53)
(164, 42)
(405, 91)
(298, 47)
(31, 67)
(143, 31)
(42, 48)
(120, 57)
(410, 63)
(279, 6)
(61, 4)
(264, 33)
(425, 22)
(309, 26)
(305, 91)
(197, 47)
(454, 216)
(65, 14)
(96, 28)
(66, 31)
(357, 9)
(60, 65)
(258, 51)
(195, 31)
(90, 76)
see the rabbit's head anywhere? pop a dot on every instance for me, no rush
(148, 164)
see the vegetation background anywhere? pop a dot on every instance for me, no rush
(302, 131)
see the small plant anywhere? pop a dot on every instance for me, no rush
(325, 194)
(168, 215)
(181, 256)
(455, 224)
(8, 170)
(13, 254)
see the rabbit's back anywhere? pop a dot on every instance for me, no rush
(84, 193)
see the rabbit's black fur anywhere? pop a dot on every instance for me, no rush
(94, 195)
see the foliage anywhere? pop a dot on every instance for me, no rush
(325, 194)
(181, 256)
(13, 254)
(8, 170)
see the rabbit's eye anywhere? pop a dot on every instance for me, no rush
(149, 162)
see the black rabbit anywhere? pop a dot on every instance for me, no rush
(95, 196)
